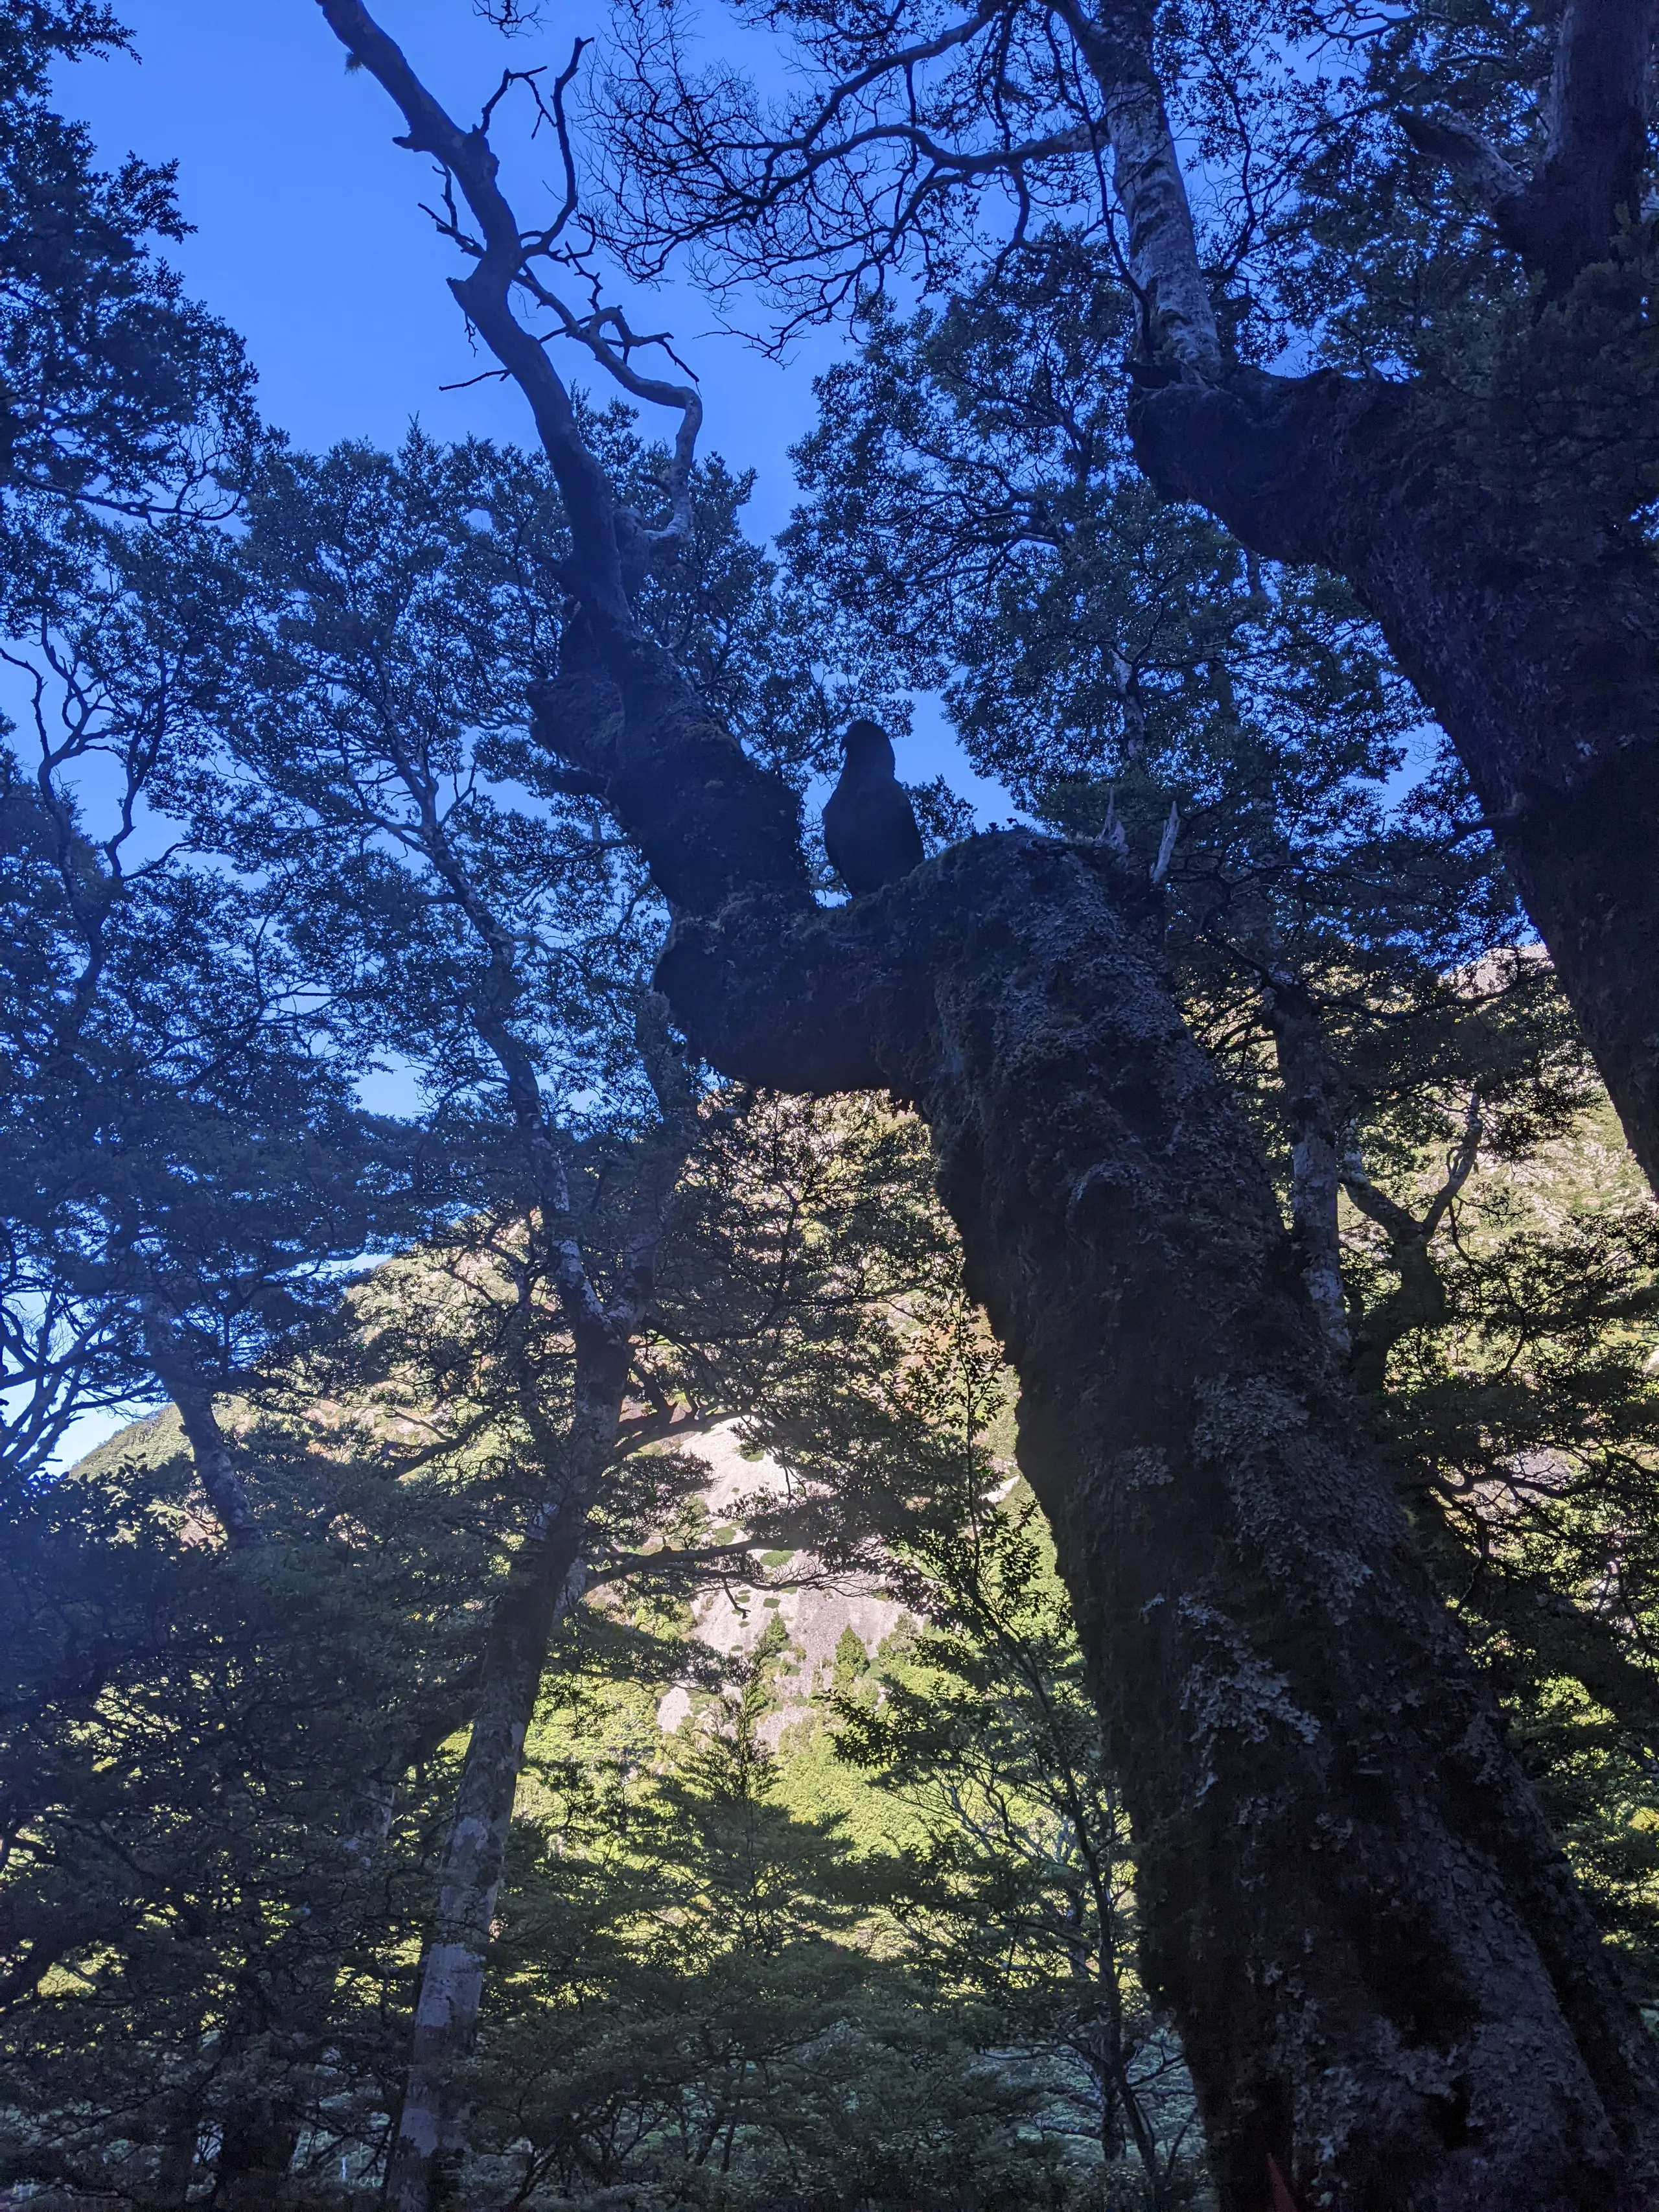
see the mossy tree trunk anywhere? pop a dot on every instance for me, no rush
(1381, 1972)
(1387, 1987)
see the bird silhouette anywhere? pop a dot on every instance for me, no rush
(870, 829)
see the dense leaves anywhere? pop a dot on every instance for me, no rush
(118, 392)
(779, 1925)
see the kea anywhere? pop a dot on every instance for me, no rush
(870, 829)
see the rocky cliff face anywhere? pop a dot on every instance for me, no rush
(732, 1620)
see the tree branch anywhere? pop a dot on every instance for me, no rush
(1420, 1296)
(1581, 1643)
(168, 1351)
(708, 820)
(695, 1559)
(1115, 40)
(486, 295)
(1475, 164)
(1314, 1097)
(1596, 145)
(1595, 148)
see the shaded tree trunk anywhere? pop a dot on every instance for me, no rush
(1536, 648)
(192, 1396)
(278, 2027)
(1387, 1987)
(1382, 1975)
(1542, 668)
(259, 2132)
(256, 2150)
(544, 1579)
(179, 2126)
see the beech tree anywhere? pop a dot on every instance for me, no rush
(207, 1897)
(1387, 1986)
(358, 695)
(1354, 959)
(245, 1838)
(185, 1168)
(1130, 672)
(152, 1052)
(1441, 217)
(368, 660)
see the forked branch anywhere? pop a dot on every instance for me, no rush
(1566, 214)
(887, 160)
(504, 258)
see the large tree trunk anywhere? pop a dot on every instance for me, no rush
(1387, 1986)
(1531, 635)
(1541, 666)
(1382, 1975)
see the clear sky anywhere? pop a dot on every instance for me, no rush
(310, 240)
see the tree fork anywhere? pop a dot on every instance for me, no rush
(1387, 1986)
(1542, 669)
(1353, 1910)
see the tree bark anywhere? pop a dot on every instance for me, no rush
(542, 1581)
(1381, 1973)
(1311, 1103)
(257, 2144)
(1596, 143)
(1387, 1986)
(215, 1463)
(1541, 667)
(1539, 660)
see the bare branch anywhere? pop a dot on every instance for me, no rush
(1420, 1296)
(713, 1559)
(501, 256)
(1462, 1165)
(825, 200)
(880, 165)
(1398, 1222)
(708, 820)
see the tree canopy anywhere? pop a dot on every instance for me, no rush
(984, 1545)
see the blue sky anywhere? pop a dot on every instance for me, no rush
(309, 239)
